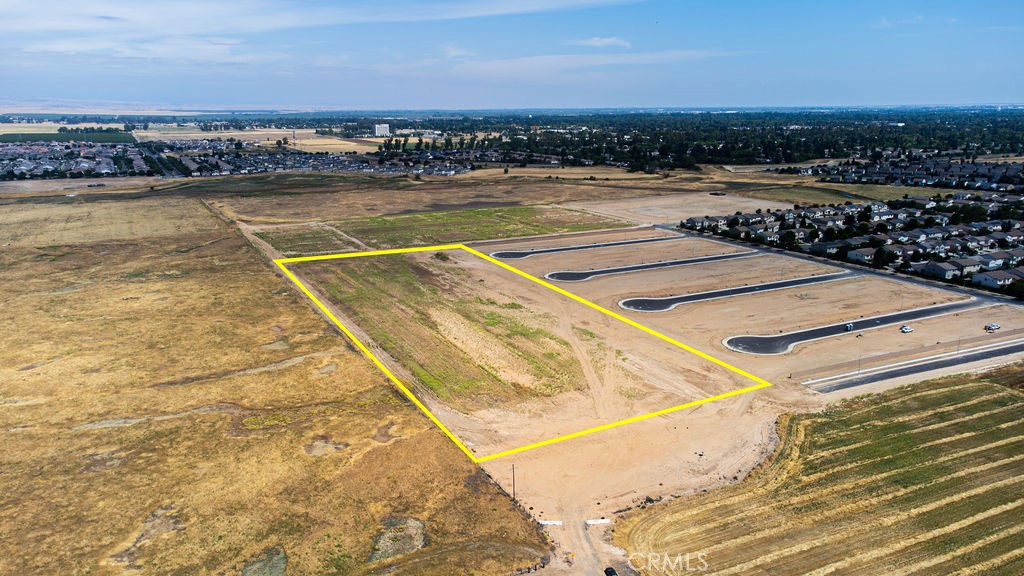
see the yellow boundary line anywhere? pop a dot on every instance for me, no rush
(281, 263)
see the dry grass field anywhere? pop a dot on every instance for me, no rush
(920, 480)
(304, 139)
(168, 404)
(50, 127)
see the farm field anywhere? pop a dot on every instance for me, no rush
(49, 127)
(100, 137)
(306, 139)
(924, 479)
(169, 405)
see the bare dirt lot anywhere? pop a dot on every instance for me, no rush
(615, 256)
(706, 277)
(503, 360)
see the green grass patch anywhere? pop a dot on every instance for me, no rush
(409, 308)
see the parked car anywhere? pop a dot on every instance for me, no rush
(906, 329)
(992, 327)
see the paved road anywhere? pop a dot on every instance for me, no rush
(577, 276)
(670, 302)
(783, 342)
(511, 254)
(917, 369)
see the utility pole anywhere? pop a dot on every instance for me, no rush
(513, 482)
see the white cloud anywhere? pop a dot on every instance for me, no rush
(231, 16)
(211, 30)
(599, 42)
(451, 50)
(886, 23)
(553, 65)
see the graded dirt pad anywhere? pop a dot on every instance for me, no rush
(659, 283)
(169, 403)
(615, 256)
(796, 308)
(503, 361)
(925, 480)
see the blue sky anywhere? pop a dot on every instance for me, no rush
(474, 54)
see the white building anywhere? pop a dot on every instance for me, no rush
(381, 130)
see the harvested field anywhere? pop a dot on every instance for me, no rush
(169, 405)
(49, 127)
(925, 479)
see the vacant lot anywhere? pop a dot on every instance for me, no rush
(454, 226)
(169, 404)
(502, 360)
(678, 248)
(306, 239)
(923, 480)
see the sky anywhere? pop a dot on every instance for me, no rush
(489, 54)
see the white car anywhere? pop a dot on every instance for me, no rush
(906, 329)
(992, 327)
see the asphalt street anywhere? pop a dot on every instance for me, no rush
(917, 369)
(783, 342)
(579, 275)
